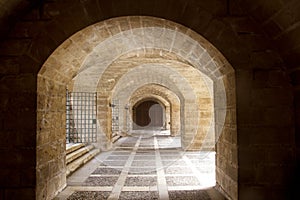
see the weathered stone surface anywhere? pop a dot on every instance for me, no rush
(255, 126)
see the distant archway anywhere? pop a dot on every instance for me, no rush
(148, 114)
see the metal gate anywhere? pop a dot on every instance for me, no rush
(81, 115)
(115, 115)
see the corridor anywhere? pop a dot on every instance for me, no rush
(145, 165)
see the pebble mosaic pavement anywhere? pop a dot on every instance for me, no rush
(145, 166)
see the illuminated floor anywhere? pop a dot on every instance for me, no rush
(145, 166)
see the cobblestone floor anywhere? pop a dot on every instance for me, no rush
(145, 166)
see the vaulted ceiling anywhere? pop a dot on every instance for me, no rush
(278, 19)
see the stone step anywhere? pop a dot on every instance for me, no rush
(115, 138)
(79, 152)
(73, 166)
(73, 147)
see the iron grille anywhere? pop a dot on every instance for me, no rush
(115, 115)
(81, 115)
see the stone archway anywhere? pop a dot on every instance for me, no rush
(167, 97)
(61, 71)
(148, 114)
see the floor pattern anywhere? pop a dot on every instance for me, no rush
(145, 167)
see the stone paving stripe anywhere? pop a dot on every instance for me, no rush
(122, 178)
(161, 180)
(139, 188)
(182, 180)
(90, 188)
(142, 175)
(104, 175)
(188, 187)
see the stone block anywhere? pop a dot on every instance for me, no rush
(9, 65)
(135, 22)
(271, 97)
(10, 177)
(57, 184)
(280, 154)
(235, 9)
(256, 42)
(254, 115)
(266, 60)
(44, 154)
(205, 114)
(270, 79)
(101, 31)
(106, 7)
(42, 172)
(28, 65)
(55, 167)
(238, 56)
(41, 47)
(9, 122)
(291, 58)
(251, 156)
(272, 28)
(227, 38)
(14, 47)
(232, 172)
(52, 10)
(26, 120)
(261, 135)
(80, 16)
(242, 25)
(288, 15)
(152, 22)
(229, 134)
(221, 162)
(33, 15)
(92, 10)
(205, 103)
(295, 77)
(26, 29)
(67, 24)
(56, 31)
(243, 84)
(275, 174)
(231, 99)
(41, 190)
(234, 156)
(6, 137)
(251, 192)
(16, 193)
(230, 116)
(278, 115)
(28, 177)
(160, 8)
(24, 83)
(145, 7)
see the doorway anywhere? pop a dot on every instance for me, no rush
(148, 115)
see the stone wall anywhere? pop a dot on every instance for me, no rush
(188, 86)
(265, 104)
(51, 138)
